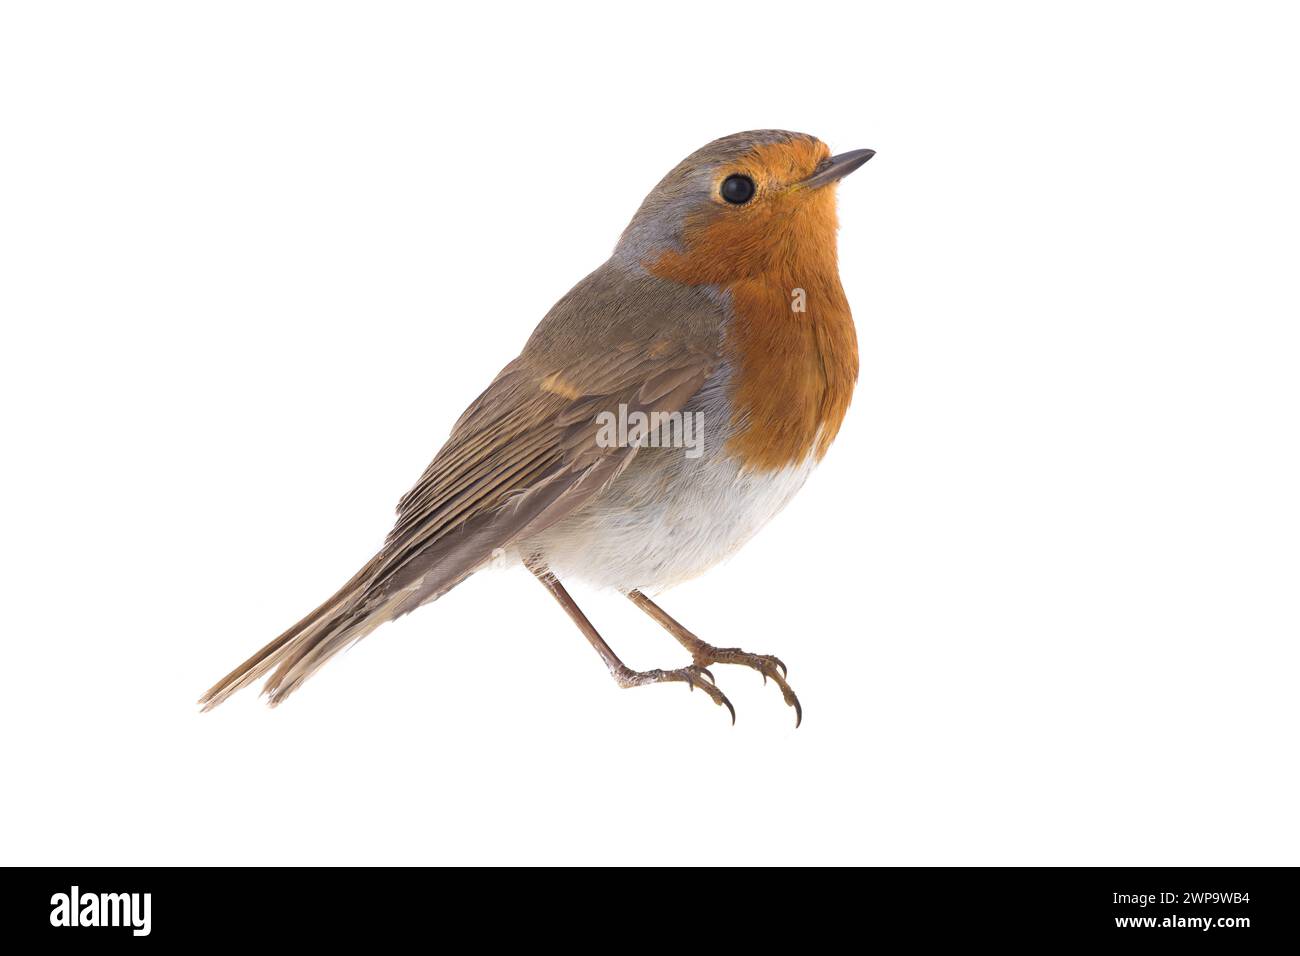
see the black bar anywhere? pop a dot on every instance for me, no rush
(1225, 907)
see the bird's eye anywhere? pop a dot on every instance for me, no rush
(737, 189)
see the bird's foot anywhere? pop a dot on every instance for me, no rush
(765, 664)
(693, 677)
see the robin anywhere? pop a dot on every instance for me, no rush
(662, 412)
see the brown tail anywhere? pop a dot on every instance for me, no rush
(299, 651)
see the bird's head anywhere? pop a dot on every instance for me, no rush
(740, 206)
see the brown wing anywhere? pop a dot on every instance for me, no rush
(525, 454)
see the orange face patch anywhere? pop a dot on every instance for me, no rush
(795, 370)
(725, 242)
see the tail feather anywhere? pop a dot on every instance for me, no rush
(323, 625)
(376, 594)
(309, 651)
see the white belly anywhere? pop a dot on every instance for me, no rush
(667, 519)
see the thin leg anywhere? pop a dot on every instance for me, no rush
(694, 676)
(706, 654)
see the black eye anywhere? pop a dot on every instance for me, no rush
(737, 189)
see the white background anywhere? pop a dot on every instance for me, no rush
(1039, 602)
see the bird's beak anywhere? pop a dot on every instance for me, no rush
(836, 168)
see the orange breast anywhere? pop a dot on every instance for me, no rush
(795, 372)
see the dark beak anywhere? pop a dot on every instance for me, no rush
(836, 168)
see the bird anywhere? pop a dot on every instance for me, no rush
(663, 411)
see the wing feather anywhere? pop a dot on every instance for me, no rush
(522, 457)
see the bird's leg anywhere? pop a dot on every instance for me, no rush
(706, 654)
(696, 675)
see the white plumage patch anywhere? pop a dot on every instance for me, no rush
(656, 530)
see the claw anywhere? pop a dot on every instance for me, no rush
(695, 674)
(718, 696)
(721, 701)
(763, 663)
(691, 676)
(791, 699)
